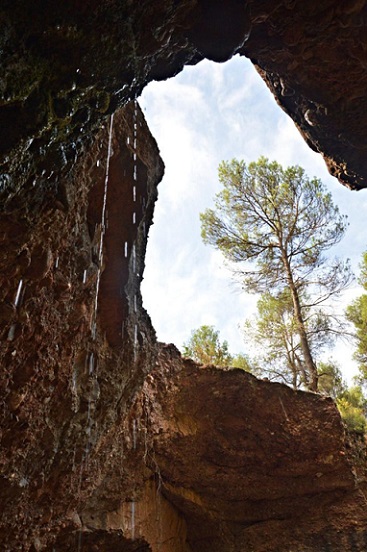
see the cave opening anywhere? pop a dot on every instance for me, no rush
(208, 113)
(87, 422)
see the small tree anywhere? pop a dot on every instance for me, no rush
(273, 332)
(352, 406)
(204, 346)
(276, 224)
(275, 329)
(357, 314)
(350, 401)
(242, 362)
(331, 380)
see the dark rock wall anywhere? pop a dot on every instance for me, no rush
(65, 66)
(313, 57)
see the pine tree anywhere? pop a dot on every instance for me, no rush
(275, 224)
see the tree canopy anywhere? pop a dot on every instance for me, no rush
(352, 407)
(274, 225)
(204, 346)
(330, 379)
(357, 314)
(274, 331)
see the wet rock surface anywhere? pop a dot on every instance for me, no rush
(75, 342)
(108, 440)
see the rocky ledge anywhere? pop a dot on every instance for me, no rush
(217, 460)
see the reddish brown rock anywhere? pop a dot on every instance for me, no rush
(252, 465)
(194, 459)
(217, 460)
(64, 392)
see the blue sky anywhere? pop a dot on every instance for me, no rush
(208, 113)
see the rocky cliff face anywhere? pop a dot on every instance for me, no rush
(216, 460)
(252, 465)
(76, 344)
(109, 441)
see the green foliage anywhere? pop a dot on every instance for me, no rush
(274, 330)
(242, 361)
(357, 314)
(204, 346)
(352, 407)
(330, 379)
(275, 225)
(350, 401)
(265, 211)
(363, 275)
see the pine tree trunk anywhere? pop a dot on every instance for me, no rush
(310, 364)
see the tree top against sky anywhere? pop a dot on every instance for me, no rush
(276, 224)
(266, 213)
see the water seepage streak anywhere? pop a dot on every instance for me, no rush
(92, 359)
(17, 296)
(133, 520)
(103, 230)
